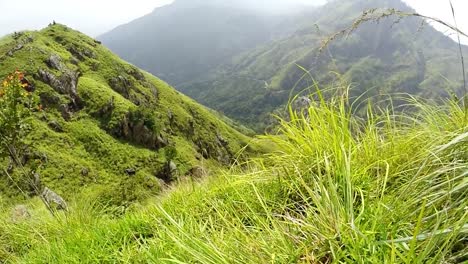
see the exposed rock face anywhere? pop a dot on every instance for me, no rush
(55, 62)
(169, 172)
(134, 128)
(172, 167)
(122, 85)
(20, 44)
(65, 84)
(74, 60)
(54, 200)
(217, 149)
(153, 89)
(135, 73)
(81, 53)
(20, 213)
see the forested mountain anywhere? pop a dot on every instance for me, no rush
(378, 58)
(184, 40)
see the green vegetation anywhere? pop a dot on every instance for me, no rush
(105, 125)
(125, 158)
(181, 41)
(249, 80)
(338, 189)
(377, 59)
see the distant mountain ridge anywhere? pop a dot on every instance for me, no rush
(182, 41)
(377, 59)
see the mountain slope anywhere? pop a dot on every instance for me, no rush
(105, 124)
(184, 40)
(377, 59)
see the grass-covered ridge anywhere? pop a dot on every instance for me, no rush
(338, 189)
(102, 116)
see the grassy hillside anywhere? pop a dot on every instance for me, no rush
(103, 120)
(339, 189)
(376, 59)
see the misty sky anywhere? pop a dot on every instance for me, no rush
(95, 17)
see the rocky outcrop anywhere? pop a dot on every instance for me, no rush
(55, 62)
(302, 103)
(130, 171)
(169, 172)
(139, 127)
(66, 84)
(135, 73)
(20, 43)
(65, 112)
(54, 201)
(139, 133)
(122, 85)
(84, 172)
(81, 53)
(216, 149)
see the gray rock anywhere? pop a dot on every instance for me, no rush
(136, 74)
(122, 85)
(302, 103)
(169, 172)
(170, 115)
(81, 53)
(130, 171)
(55, 201)
(20, 45)
(172, 167)
(15, 49)
(55, 62)
(161, 141)
(20, 213)
(67, 84)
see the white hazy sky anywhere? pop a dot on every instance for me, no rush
(95, 17)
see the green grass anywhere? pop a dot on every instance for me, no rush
(336, 189)
(93, 139)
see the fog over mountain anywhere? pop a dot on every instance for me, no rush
(264, 6)
(244, 64)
